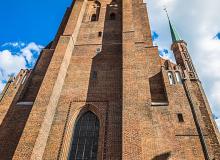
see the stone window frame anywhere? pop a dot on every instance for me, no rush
(70, 127)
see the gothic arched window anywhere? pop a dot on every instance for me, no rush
(171, 79)
(95, 11)
(178, 77)
(85, 139)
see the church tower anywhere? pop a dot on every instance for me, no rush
(100, 91)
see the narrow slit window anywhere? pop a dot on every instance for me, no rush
(180, 117)
(95, 75)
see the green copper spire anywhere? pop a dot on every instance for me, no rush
(174, 34)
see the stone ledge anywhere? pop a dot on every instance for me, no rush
(159, 103)
(24, 103)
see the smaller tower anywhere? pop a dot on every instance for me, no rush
(182, 56)
(201, 111)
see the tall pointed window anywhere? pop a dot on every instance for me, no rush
(85, 138)
(171, 78)
(95, 11)
(178, 77)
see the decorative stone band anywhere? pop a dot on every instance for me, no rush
(159, 103)
(24, 103)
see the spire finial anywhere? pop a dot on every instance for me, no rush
(165, 9)
(174, 34)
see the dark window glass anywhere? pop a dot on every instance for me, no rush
(93, 17)
(100, 34)
(180, 117)
(112, 16)
(85, 138)
(95, 75)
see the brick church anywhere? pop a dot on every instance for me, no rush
(100, 91)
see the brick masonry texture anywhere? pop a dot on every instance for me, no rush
(109, 67)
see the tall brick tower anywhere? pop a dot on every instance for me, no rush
(100, 91)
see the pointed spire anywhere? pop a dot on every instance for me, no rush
(174, 34)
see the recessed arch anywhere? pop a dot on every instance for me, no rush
(85, 137)
(96, 7)
(171, 78)
(178, 77)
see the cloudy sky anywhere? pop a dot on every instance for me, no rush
(27, 26)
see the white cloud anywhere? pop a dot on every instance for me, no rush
(209, 57)
(27, 52)
(12, 60)
(197, 22)
(10, 63)
(165, 54)
(14, 44)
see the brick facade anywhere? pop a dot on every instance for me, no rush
(103, 60)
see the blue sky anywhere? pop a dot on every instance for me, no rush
(30, 20)
(28, 25)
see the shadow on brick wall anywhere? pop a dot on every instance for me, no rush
(164, 156)
(105, 83)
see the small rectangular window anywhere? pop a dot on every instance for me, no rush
(180, 117)
(100, 34)
(94, 76)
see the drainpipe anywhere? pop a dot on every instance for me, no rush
(199, 130)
